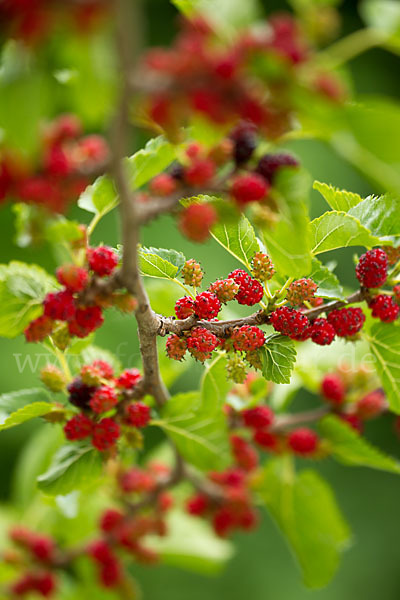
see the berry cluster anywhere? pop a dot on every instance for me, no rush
(43, 552)
(207, 76)
(354, 396)
(33, 20)
(66, 313)
(205, 306)
(199, 169)
(231, 508)
(65, 165)
(96, 393)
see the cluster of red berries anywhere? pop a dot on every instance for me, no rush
(65, 314)
(67, 160)
(37, 548)
(122, 532)
(353, 396)
(33, 20)
(207, 76)
(231, 508)
(96, 393)
(251, 183)
(372, 272)
(240, 286)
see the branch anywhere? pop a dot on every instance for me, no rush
(224, 328)
(309, 416)
(128, 14)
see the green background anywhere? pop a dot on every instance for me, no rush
(262, 567)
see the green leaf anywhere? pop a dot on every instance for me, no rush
(288, 242)
(74, 467)
(190, 544)
(160, 263)
(305, 510)
(215, 385)
(239, 239)
(13, 401)
(278, 358)
(198, 429)
(337, 199)
(22, 290)
(384, 342)
(20, 79)
(328, 284)
(28, 412)
(231, 14)
(336, 229)
(62, 230)
(100, 197)
(150, 161)
(348, 447)
(380, 215)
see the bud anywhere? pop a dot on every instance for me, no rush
(52, 378)
(262, 267)
(236, 368)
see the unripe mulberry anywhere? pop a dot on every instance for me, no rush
(322, 332)
(103, 399)
(196, 221)
(262, 267)
(247, 338)
(78, 428)
(236, 368)
(201, 340)
(384, 308)
(163, 185)
(176, 347)
(245, 455)
(224, 289)
(199, 172)
(393, 254)
(259, 417)
(128, 379)
(74, 278)
(371, 269)
(371, 405)
(52, 378)
(333, 389)
(301, 291)
(105, 434)
(346, 321)
(269, 164)
(266, 440)
(59, 306)
(249, 188)
(289, 321)
(93, 374)
(396, 291)
(184, 307)
(207, 305)
(191, 273)
(125, 302)
(253, 357)
(138, 414)
(251, 291)
(39, 329)
(197, 505)
(303, 441)
(102, 260)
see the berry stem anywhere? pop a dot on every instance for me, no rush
(351, 46)
(187, 291)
